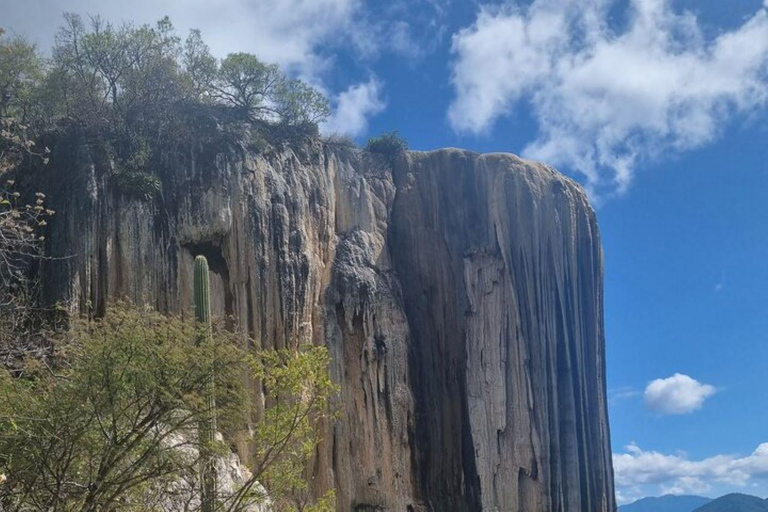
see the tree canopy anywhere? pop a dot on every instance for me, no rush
(126, 78)
(138, 92)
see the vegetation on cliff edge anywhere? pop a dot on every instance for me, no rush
(139, 92)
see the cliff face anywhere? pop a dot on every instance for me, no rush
(460, 296)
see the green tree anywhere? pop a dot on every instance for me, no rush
(21, 71)
(246, 83)
(285, 439)
(117, 81)
(201, 67)
(111, 422)
(298, 103)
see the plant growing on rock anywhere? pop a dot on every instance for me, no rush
(389, 144)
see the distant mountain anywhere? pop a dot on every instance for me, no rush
(735, 503)
(668, 503)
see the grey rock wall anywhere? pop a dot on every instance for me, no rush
(460, 296)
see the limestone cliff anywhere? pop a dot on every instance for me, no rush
(459, 294)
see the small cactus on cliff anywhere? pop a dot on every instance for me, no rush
(207, 428)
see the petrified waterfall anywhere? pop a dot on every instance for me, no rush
(460, 296)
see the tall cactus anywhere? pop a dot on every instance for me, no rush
(207, 427)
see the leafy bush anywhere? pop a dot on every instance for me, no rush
(341, 141)
(389, 144)
(110, 422)
(95, 429)
(137, 184)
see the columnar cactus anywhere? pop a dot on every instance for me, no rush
(207, 428)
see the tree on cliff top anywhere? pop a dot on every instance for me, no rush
(21, 70)
(134, 75)
(131, 88)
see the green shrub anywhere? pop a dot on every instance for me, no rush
(117, 83)
(389, 144)
(91, 429)
(109, 421)
(340, 141)
(131, 168)
(137, 184)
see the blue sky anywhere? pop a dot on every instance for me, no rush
(657, 107)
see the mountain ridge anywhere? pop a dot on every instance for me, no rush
(735, 502)
(666, 503)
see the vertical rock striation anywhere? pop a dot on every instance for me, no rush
(460, 296)
(503, 268)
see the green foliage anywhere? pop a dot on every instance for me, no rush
(103, 73)
(200, 66)
(389, 144)
(109, 422)
(107, 426)
(131, 172)
(297, 103)
(261, 92)
(327, 503)
(247, 84)
(21, 69)
(138, 185)
(286, 438)
(116, 83)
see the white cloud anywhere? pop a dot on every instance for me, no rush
(686, 485)
(677, 474)
(354, 107)
(678, 394)
(618, 395)
(300, 35)
(408, 28)
(603, 100)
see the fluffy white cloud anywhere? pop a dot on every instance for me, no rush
(605, 100)
(354, 107)
(677, 474)
(678, 394)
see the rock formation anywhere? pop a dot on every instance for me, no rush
(460, 296)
